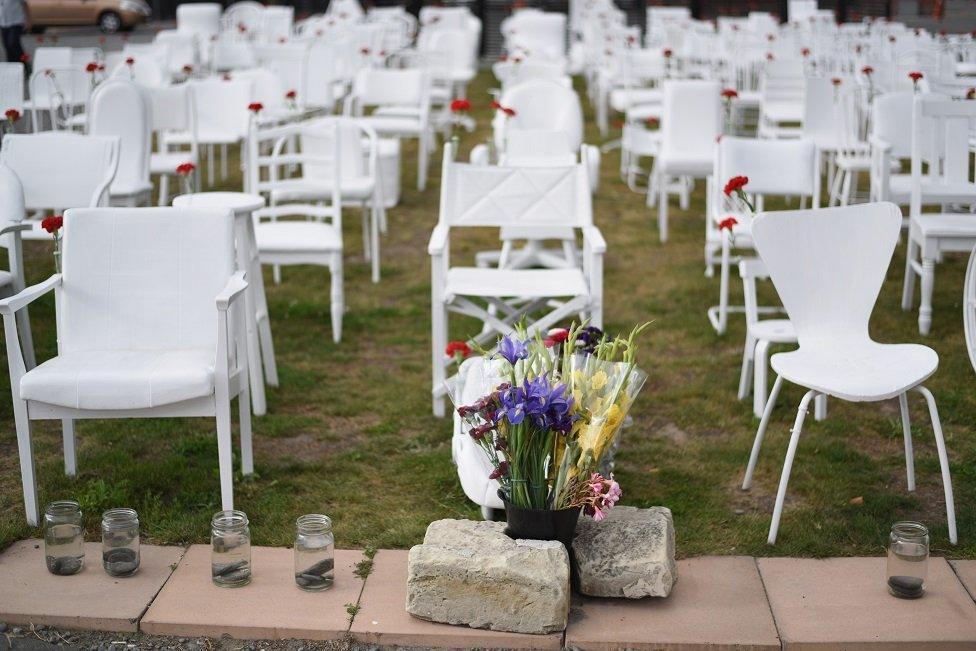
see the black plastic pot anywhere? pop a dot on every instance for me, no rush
(539, 524)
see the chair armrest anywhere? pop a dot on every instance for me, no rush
(880, 143)
(438, 240)
(594, 239)
(29, 295)
(17, 228)
(234, 288)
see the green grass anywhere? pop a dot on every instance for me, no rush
(350, 433)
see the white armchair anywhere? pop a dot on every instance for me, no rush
(490, 196)
(166, 341)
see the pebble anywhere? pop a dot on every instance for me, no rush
(223, 569)
(64, 565)
(121, 561)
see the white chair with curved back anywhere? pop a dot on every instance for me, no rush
(828, 267)
(148, 325)
(173, 111)
(12, 215)
(122, 108)
(969, 308)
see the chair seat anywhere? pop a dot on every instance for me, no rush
(858, 373)
(623, 98)
(167, 162)
(121, 379)
(530, 283)
(778, 112)
(393, 125)
(204, 136)
(683, 164)
(297, 237)
(777, 331)
(944, 224)
(537, 233)
(300, 189)
(900, 185)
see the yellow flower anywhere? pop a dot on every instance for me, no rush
(598, 381)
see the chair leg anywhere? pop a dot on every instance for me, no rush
(68, 437)
(845, 197)
(761, 433)
(276, 274)
(367, 246)
(26, 338)
(223, 163)
(908, 288)
(662, 208)
(163, 190)
(784, 479)
(25, 449)
(906, 427)
(760, 365)
(927, 286)
(225, 444)
(422, 154)
(244, 414)
(374, 237)
(210, 165)
(724, 272)
(337, 298)
(684, 196)
(438, 344)
(747, 356)
(943, 462)
(820, 407)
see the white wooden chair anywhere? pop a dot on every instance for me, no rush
(969, 308)
(12, 215)
(122, 108)
(490, 196)
(61, 170)
(148, 325)
(173, 111)
(948, 181)
(828, 266)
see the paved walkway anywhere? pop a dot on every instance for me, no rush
(719, 602)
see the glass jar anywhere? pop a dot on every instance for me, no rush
(64, 538)
(314, 552)
(230, 560)
(120, 542)
(908, 559)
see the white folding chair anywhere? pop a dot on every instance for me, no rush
(828, 266)
(491, 196)
(148, 325)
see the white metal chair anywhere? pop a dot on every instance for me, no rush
(148, 325)
(121, 108)
(828, 267)
(775, 169)
(947, 182)
(61, 170)
(173, 111)
(692, 121)
(491, 196)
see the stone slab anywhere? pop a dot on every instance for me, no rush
(966, 572)
(90, 600)
(843, 603)
(271, 606)
(383, 619)
(717, 603)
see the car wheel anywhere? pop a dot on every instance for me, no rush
(109, 22)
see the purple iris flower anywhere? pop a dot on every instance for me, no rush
(588, 338)
(512, 402)
(512, 349)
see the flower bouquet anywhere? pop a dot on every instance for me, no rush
(548, 425)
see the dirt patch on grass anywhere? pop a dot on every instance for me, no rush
(341, 433)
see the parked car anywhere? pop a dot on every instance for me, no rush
(109, 15)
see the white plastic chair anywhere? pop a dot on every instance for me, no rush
(930, 235)
(491, 196)
(692, 121)
(405, 94)
(61, 170)
(121, 108)
(148, 325)
(775, 169)
(173, 111)
(828, 267)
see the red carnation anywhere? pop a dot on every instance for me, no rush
(292, 94)
(730, 93)
(364, 51)
(24, 58)
(12, 115)
(52, 224)
(255, 107)
(667, 52)
(727, 224)
(971, 93)
(129, 61)
(805, 51)
(185, 169)
(509, 111)
(91, 66)
(915, 76)
(769, 56)
(457, 349)
(735, 184)
(187, 69)
(867, 70)
(836, 81)
(496, 105)
(460, 105)
(500, 471)
(652, 123)
(558, 335)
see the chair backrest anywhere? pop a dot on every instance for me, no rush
(538, 148)
(941, 129)
(146, 71)
(143, 278)
(892, 121)
(173, 109)
(276, 22)
(222, 105)
(288, 64)
(774, 167)
(62, 170)
(12, 209)
(489, 195)
(822, 117)
(266, 87)
(198, 19)
(349, 156)
(969, 308)
(542, 104)
(182, 48)
(52, 57)
(231, 54)
(692, 118)
(12, 86)
(828, 266)
(390, 87)
(121, 108)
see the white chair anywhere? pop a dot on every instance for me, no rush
(491, 196)
(173, 111)
(781, 99)
(148, 325)
(121, 108)
(403, 94)
(969, 308)
(59, 93)
(182, 49)
(692, 121)
(948, 181)
(61, 170)
(12, 215)
(201, 20)
(828, 267)
(775, 169)
(11, 87)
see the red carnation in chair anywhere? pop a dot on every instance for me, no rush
(52, 224)
(460, 105)
(735, 184)
(728, 224)
(730, 93)
(457, 349)
(185, 169)
(255, 107)
(12, 115)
